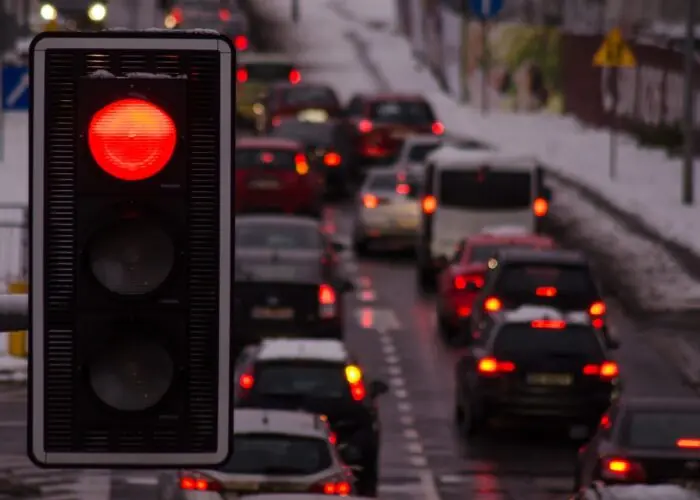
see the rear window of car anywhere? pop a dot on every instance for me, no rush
(382, 182)
(523, 340)
(277, 454)
(277, 236)
(482, 253)
(293, 380)
(316, 134)
(267, 72)
(487, 189)
(659, 429)
(408, 112)
(418, 152)
(274, 159)
(524, 279)
(302, 96)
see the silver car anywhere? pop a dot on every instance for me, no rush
(274, 451)
(387, 210)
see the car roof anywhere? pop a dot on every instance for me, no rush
(454, 157)
(301, 85)
(393, 96)
(262, 421)
(303, 349)
(535, 256)
(268, 142)
(263, 58)
(661, 403)
(423, 140)
(330, 121)
(528, 313)
(639, 492)
(508, 239)
(299, 220)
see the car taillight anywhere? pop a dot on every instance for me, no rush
(365, 126)
(332, 159)
(546, 291)
(493, 304)
(327, 302)
(338, 488)
(197, 482)
(493, 366)
(403, 189)
(246, 381)
(294, 77)
(597, 309)
(540, 207)
(276, 121)
(461, 282)
(692, 443)
(354, 376)
(224, 15)
(429, 204)
(370, 201)
(242, 75)
(302, 166)
(333, 438)
(608, 370)
(621, 469)
(438, 128)
(241, 43)
(549, 324)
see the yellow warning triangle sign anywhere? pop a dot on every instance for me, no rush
(614, 52)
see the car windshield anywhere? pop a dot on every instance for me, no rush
(265, 159)
(268, 71)
(486, 189)
(406, 112)
(525, 341)
(324, 381)
(525, 279)
(659, 429)
(303, 96)
(312, 134)
(277, 235)
(385, 181)
(277, 454)
(418, 152)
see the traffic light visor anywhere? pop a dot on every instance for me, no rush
(132, 139)
(133, 257)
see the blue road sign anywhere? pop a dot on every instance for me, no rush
(15, 88)
(485, 9)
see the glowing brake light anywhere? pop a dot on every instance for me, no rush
(241, 43)
(333, 438)
(403, 189)
(340, 488)
(365, 126)
(225, 15)
(540, 207)
(546, 291)
(370, 201)
(461, 282)
(302, 166)
(493, 304)
(353, 374)
(492, 366)
(606, 371)
(688, 443)
(332, 159)
(241, 75)
(196, 482)
(429, 204)
(622, 469)
(294, 77)
(550, 324)
(438, 128)
(597, 309)
(132, 139)
(326, 295)
(246, 381)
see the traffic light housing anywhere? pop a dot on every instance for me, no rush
(131, 140)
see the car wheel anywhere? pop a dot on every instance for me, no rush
(360, 247)
(426, 280)
(473, 423)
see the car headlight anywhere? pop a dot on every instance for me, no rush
(97, 12)
(48, 12)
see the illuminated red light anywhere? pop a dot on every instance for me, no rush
(438, 128)
(132, 139)
(242, 75)
(294, 77)
(225, 15)
(688, 443)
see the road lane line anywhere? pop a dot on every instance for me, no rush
(418, 461)
(94, 486)
(397, 381)
(410, 433)
(385, 339)
(407, 420)
(392, 360)
(389, 349)
(394, 370)
(401, 393)
(404, 407)
(428, 487)
(414, 448)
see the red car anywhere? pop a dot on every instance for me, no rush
(304, 101)
(459, 283)
(383, 121)
(276, 175)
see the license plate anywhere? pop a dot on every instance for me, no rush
(264, 184)
(407, 223)
(313, 115)
(400, 134)
(276, 313)
(557, 379)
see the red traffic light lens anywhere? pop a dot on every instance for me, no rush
(132, 139)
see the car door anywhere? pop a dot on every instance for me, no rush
(446, 277)
(589, 454)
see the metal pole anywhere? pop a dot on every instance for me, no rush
(14, 312)
(688, 104)
(612, 160)
(295, 11)
(463, 53)
(484, 67)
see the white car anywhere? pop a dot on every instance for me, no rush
(637, 492)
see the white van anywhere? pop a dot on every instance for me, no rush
(464, 192)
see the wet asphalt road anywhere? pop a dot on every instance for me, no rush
(392, 328)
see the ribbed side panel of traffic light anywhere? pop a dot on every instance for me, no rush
(63, 70)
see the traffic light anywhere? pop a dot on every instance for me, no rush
(130, 153)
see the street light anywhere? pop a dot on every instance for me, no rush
(97, 12)
(48, 12)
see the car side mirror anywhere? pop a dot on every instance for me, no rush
(377, 388)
